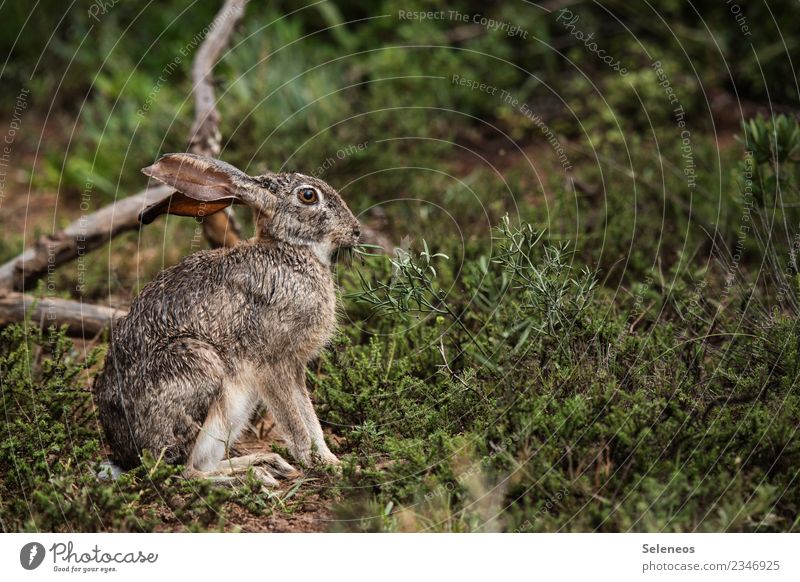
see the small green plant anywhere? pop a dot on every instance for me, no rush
(551, 300)
(769, 195)
(774, 141)
(412, 289)
(412, 286)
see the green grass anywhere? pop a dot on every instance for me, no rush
(546, 405)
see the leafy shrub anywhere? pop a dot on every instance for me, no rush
(623, 430)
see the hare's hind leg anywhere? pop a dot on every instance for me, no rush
(225, 422)
(266, 467)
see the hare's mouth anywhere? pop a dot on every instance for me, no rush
(362, 251)
(343, 255)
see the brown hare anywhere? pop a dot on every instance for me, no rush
(226, 329)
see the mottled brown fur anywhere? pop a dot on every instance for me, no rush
(212, 336)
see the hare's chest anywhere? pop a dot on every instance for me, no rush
(303, 319)
(315, 321)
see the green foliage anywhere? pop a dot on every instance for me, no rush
(768, 192)
(772, 177)
(660, 429)
(51, 454)
(551, 301)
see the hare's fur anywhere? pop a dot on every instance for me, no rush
(212, 337)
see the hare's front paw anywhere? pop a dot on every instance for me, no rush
(311, 457)
(328, 463)
(328, 458)
(304, 457)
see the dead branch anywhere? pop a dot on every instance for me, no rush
(220, 229)
(81, 236)
(81, 319)
(94, 230)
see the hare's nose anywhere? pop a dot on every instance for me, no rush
(357, 232)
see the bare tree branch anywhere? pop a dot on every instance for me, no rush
(81, 236)
(220, 229)
(94, 230)
(81, 319)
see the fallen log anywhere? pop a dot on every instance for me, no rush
(81, 319)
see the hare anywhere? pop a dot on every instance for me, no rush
(223, 330)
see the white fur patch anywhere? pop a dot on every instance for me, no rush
(209, 449)
(226, 422)
(323, 250)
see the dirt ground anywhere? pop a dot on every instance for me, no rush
(313, 515)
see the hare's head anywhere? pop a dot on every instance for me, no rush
(292, 208)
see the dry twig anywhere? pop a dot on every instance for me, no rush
(94, 230)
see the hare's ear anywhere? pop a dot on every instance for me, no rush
(182, 205)
(204, 186)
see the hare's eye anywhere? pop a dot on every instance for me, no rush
(308, 195)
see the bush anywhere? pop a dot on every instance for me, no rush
(580, 421)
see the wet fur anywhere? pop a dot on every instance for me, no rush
(212, 337)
